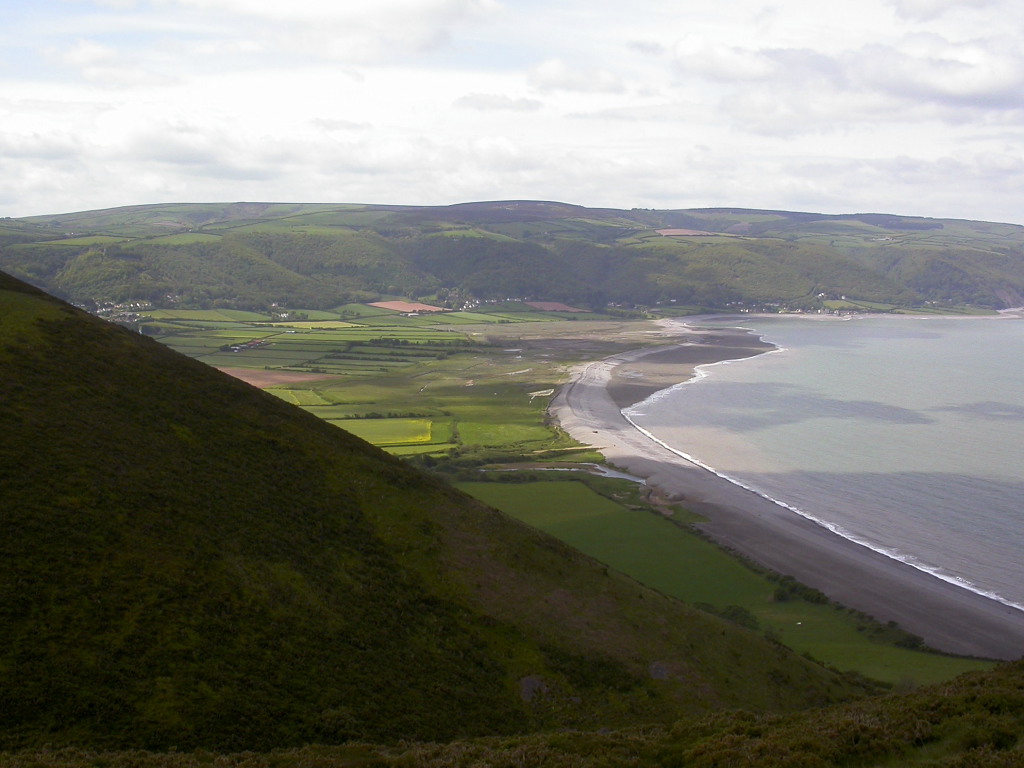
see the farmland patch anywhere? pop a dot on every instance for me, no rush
(388, 431)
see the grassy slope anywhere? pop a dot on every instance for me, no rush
(189, 561)
(665, 555)
(253, 254)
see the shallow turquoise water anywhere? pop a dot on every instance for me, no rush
(906, 434)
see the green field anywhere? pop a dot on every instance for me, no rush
(324, 323)
(299, 396)
(185, 238)
(474, 381)
(362, 310)
(225, 315)
(667, 556)
(465, 397)
(388, 431)
(88, 240)
(499, 434)
(312, 314)
(319, 346)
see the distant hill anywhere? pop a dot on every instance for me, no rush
(249, 255)
(188, 562)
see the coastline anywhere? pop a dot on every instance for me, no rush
(948, 617)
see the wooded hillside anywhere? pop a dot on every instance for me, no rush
(250, 255)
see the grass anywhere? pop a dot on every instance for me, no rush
(330, 346)
(470, 404)
(837, 304)
(665, 555)
(192, 562)
(185, 238)
(468, 375)
(298, 396)
(15, 311)
(419, 450)
(362, 310)
(388, 431)
(496, 434)
(313, 314)
(319, 324)
(88, 240)
(228, 315)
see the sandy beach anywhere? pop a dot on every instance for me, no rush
(947, 617)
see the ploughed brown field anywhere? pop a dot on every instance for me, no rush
(406, 306)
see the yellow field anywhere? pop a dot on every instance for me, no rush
(388, 431)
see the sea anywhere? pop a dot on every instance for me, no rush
(903, 433)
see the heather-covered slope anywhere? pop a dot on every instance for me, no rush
(975, 721)
(186, 561)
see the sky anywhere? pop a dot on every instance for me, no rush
(912, 107)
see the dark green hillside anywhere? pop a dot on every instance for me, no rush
(187, 561)
(956, 274)
(250, 255)
(346, 263)
(20, 231)
(975, 721)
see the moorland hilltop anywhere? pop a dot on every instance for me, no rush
(251, 255)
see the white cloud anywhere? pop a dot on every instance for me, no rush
(348, 31)
(929, 68)
(330, 124)
(37, 147)
(694, 56)
(914, 79)
(87, 53)
(931, 9)
(874, 104)
(557, 75)
(489, 102)
(647, 47)
(104, 64)
(380, 12)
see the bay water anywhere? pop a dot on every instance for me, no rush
(905, 434)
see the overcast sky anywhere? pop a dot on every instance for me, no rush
(898, 106)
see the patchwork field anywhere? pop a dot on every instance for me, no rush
(266, 379)
(453, 384)
(469, 395)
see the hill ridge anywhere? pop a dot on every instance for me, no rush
(247, 255)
